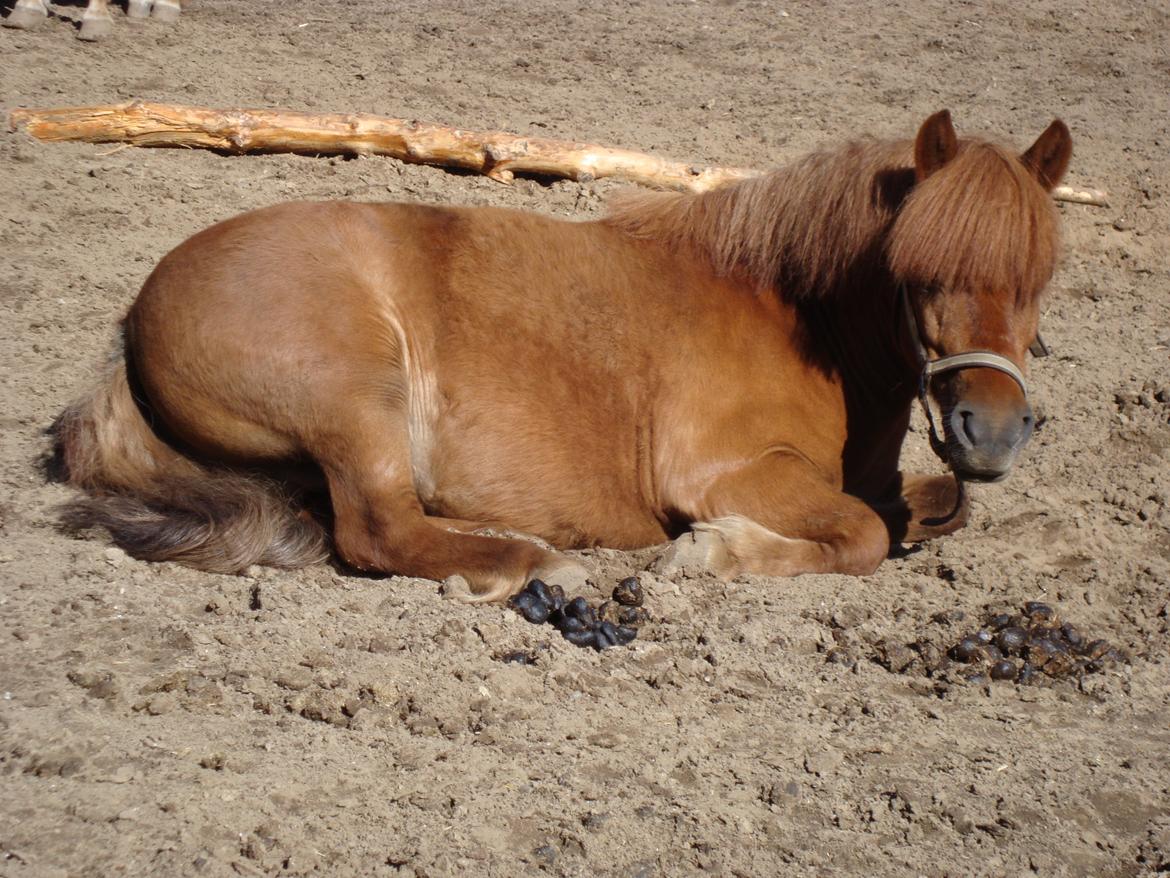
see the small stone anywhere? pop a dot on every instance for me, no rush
(163, 702)
(295, 679)
(1122, 224)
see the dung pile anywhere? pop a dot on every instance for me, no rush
(1032, 645)
(614, 623)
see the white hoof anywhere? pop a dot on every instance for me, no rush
(166, 11)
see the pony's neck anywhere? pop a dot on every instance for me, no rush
(814, 229)
(814, 234)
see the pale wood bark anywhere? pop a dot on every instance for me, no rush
(497, 154)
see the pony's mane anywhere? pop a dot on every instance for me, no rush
(834, 220)
(982, 222)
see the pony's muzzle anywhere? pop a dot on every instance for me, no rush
(984, 440)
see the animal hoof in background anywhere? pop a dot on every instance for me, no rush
(138, 10)
(166, 11)
(26, 16)
(95, 28)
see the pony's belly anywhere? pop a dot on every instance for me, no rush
(547, 485)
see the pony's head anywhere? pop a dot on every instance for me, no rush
(973, 246)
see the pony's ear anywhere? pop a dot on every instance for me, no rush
(1049, 156)
(935, 145)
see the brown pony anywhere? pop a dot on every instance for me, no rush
(741, 363)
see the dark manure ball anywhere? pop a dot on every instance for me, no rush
(1095, 649)
(568, 624)
(1004, 669)
(1039, 612)
(999, 621)
(540, 589)
(610, 611)
(530, 607)
(967, 650)
(1071, 636)
(628, 592)
(586, 637)
(633, 616)
(1011, 639)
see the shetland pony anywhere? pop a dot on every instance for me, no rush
(741, 363)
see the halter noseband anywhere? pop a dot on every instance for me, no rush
(965, 360)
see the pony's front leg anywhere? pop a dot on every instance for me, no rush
(921, 507)
(780, 517)
(96, 22)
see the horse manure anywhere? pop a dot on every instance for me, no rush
(1039, 612)
(629, 592)
(610, 611)
(1071, 636)
(530, 606)
(633, 617)
(1027, 647)
(587, 637)
(540, 589)
(967, 650)
(1011, 640)
(614, 623)
(565, 624)
(1096, 649)
(1004, 669)
(625, 634)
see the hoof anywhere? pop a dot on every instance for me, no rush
(26, 17)
(166, 11)
(95, 29)
(695, 552)
(569, 575)
(138, 9)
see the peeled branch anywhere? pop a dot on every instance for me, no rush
(497, 154)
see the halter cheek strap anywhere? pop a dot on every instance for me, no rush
(965, 360)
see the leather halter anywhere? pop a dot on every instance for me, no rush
(965, 360)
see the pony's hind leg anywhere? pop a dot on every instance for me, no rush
(97, 22)
(380, 525)
(138, 10)
(27, 14)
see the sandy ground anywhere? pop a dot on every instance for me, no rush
(160, 721)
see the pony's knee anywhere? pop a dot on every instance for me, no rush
(867, 545)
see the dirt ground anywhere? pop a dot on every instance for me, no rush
(160, 721)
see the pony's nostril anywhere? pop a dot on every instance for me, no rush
(973, 430)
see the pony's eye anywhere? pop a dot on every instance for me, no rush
(1038, 348)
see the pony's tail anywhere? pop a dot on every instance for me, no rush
(160, 505)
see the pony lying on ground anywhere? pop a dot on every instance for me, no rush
(741, 362)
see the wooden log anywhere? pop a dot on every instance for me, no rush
(497, 154)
